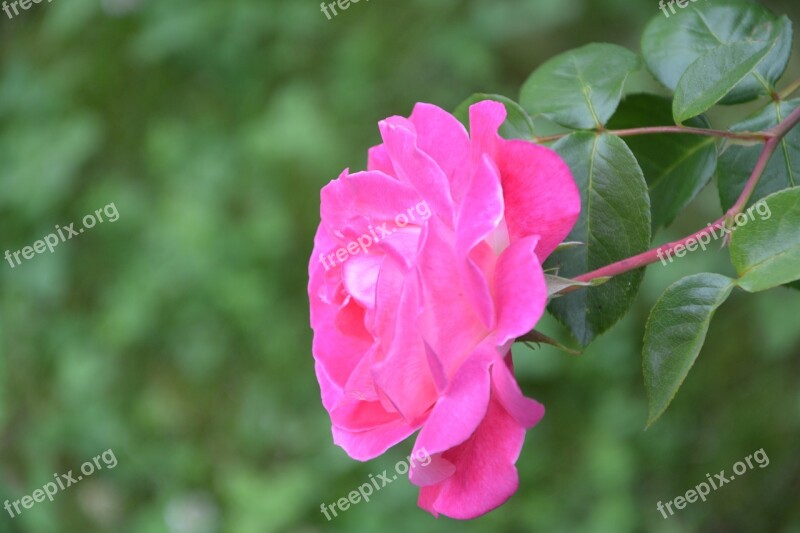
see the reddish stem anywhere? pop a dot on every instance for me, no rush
(745, 136)
(774, 136)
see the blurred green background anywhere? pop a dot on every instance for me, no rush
(178, 336)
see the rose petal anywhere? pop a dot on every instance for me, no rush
(378, 159)
(526, 411)
(444, 139)
(458, 413)
(449, 321)
(485, 119)
(356, 203)
(521, 291)
(540, 194)
(360, 277)
(366, 445)
(403, 373)
(417, 168)
(485, 475)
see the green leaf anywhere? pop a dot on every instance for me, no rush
(714, 75)
(671, 45)
(614, 224)
(766, 249)
(676, 167)
(518, 124)
(581, 88)
(737, 162)
(675, 332)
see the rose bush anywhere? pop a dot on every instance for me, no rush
(414, 332)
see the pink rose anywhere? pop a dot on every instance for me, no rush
(425, 269)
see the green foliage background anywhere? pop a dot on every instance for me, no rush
(178, 336)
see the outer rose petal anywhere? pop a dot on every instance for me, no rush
(419, 169)
(360, 276)
(449, 322)
(330, 391)
(366, 445)
(457, 414)
(482, 207)
(479, 217)
(444, 138)
(357, 415)
(485, 119)
(378, 159)
(361, 445)
(485, 475)
(540, 194)
(403, 373)
(340, 340)
(526, 411)
(380, 321)
(353, 202)
(521, 292)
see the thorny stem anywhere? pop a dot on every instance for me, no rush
(744, 136)
(773, 140)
